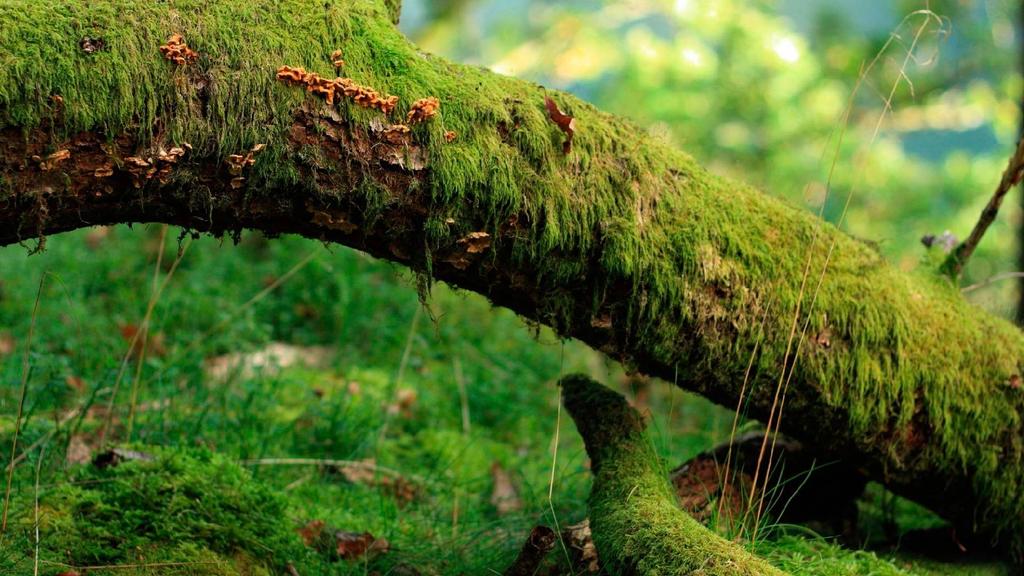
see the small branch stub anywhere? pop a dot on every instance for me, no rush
(956, 261)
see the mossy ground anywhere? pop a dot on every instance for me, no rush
(243, 520)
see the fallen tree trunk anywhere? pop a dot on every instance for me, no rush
(589, 226)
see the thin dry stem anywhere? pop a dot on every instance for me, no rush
(21, 404)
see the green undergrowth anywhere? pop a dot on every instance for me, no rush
(197, 512)
(364, 312)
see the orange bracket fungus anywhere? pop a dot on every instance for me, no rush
(422, 110)
(314, 83)
(177, 51)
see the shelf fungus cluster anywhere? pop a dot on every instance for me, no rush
(328, 89)
(158, 166)
(396, 134)
(422, 110)
(237, 163)
(176, 50)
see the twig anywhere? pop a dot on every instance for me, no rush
(992, 280)
(1011, 177)
(145, 337)
(21, 403)
(322, 462)
(39, 465)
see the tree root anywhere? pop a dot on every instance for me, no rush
(637, 526)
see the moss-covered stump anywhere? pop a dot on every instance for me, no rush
(619, 239)
(182, 513)
(637, 526)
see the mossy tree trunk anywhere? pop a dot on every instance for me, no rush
(621, 241)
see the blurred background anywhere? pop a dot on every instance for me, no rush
(291, 349)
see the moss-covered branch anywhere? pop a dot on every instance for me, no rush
(637, 526)
(623, 242)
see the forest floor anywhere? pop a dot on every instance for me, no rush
(287, 390)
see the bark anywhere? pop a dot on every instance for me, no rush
(617, 239)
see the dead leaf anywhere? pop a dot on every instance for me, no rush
(79, 451)
(1015, 381)
(7, 344)
(405, 400)
(578, 539)
(505, 497)
(311, 532)
(269, 360)
(155, 341)
(352, 545)
(75, 382)
(564, 122)
(367, 473)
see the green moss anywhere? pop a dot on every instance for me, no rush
(699, 257)
(193, 509)
(637, 526)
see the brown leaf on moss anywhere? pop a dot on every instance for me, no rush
(352, 545)
(7, 344)
(177, 51)
(581, 547)
(155, 345)
(504, 497)
(564, 122)
(311, 532)
(76, 383)
(422, 110)
(79, 451)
